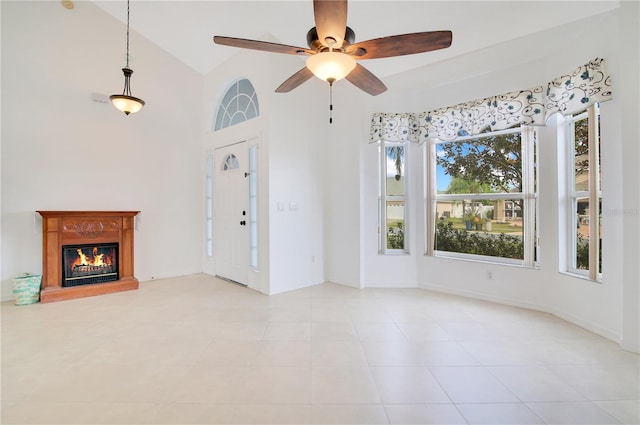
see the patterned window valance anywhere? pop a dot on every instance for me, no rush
(567, 94)
(392, 127)
(577, 91)
(496, 112)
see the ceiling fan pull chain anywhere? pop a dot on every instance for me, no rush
(330, 100)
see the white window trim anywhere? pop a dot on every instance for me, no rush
(594, 195)
(383, 198)
(208, 211)
(529, 196)
(254, 199)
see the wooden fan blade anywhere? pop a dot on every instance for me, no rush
(399, 45)
(331, 21)
(261, 45)
(295, 80)
(366, 81)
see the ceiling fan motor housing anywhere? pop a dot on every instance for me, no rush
(314, 43)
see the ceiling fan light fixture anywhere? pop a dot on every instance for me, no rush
(332, 66)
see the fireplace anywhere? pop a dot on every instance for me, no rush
(87, 264)
(86, 253)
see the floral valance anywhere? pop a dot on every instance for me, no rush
(393, 127)
(577, 91)
(567, 94)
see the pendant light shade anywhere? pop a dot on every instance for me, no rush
(125, 102)
(331, 66)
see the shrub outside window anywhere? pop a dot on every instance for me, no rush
(484, 197)
(392, 192)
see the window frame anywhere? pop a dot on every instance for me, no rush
(593, 193)
(208, 199)
(529, 197)
(383, 198)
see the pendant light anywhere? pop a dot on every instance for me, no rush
(125, 102)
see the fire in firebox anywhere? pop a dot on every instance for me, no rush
(86, 264)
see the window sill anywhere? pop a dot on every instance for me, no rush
(581, 276)
(395, 253)
(484, 260)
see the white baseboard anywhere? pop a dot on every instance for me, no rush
(585, 324)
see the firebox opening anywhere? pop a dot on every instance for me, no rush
(87, 264)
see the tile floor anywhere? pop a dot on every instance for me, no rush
(197, 350)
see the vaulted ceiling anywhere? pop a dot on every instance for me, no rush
(185, 29)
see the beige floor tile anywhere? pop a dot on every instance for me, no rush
(472, 385)
(297, 414)
(333, 331)
(348, 414)
(191, 413)
(499, 414)
(277, 385)
(602, 382)
(626, 411)
(572, 412)
(408, 385)
(206, 383)
(343, 385)
(535, 383)
(421, 332)
(379, 332)
(286, 331)
(337, 353)
(196, 349)
(434, 414)
(283, 353)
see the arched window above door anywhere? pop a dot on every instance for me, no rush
(239, 104)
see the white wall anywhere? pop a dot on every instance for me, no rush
(629, 214)
(343, 176)
(514, 65)
(62, 151)
(297, 151)
(292, 148)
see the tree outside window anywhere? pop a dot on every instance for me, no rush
(392, 196)
(485, 197)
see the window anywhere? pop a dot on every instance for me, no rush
(584, 194)
(484, 197)
(239, 104)
(253, 206)
(230, 163)
(392, 192)
(209, 204)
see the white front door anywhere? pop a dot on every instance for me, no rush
(231, 213)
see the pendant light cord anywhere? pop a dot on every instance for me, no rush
(127, 33)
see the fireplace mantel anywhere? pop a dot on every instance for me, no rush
(61, 228)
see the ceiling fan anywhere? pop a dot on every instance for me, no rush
(332, 53)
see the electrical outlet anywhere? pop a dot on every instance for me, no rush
(490, 275)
